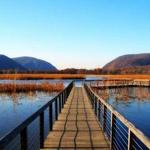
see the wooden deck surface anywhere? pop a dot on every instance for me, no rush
(77, 126)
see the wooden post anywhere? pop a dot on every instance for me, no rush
(24, 139)
(42, 130)
(50, 117)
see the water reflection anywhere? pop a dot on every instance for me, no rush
(125, 93)
(15, 108)
(131, 102)
(65, 81)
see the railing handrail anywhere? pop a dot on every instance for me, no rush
(14, 132)
(143, 138)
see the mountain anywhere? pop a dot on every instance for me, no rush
(34, 64)
(7, 63)
(129, 61)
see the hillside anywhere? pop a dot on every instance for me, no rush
(34, 64)
(7, 64)
(131, 62)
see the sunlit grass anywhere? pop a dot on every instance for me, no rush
(131, 76)
(31, 87)
(40, 76)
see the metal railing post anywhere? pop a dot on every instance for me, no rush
(62, 99)
(111, 130)
(42, 130)
(95, 106)
(65, 97)
(92, 98)
(24, 139)
(99, 111)
(60, 104)
(129, 139)
(50, 117)
(56, 109)
(104, 117)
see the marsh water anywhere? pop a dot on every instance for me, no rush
(132, 102)
(15, 108)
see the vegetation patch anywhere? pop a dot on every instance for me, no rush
(40, 76)
(31, 87)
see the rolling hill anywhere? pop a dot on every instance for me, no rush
(34, 64)
(132, 61)
(7, 63)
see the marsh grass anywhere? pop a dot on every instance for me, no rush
(31, 87)
(131, 76)
(40, 76)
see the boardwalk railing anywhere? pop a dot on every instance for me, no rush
(19, 137)
(121, 134)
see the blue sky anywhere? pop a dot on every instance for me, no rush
(74, 33)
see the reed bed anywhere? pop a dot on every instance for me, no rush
(67, 76)
(31, 87)
(40, 76)
(131, 76)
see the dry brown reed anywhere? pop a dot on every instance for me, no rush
(31, 87)
(131, 76)
(40, 76)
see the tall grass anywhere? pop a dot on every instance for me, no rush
(40, 76)
(131, 76)
(31, 87)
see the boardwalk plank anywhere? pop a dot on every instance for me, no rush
(77, 126)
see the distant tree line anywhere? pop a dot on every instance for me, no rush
(81, 71)
(65, 71)
(97, 71)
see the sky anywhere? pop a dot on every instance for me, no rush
(74, 33)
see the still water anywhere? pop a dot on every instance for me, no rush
(132, 102)
(17, 107)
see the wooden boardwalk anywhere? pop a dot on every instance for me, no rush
(77, 126)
